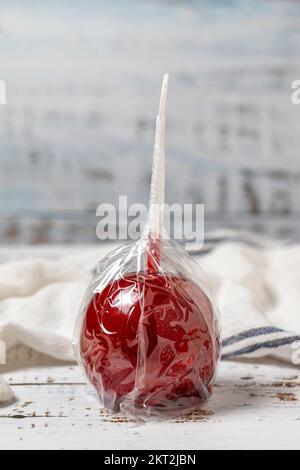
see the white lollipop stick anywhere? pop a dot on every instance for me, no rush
(157, 196)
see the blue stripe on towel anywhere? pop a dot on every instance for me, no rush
(251, 333)
(267, 345)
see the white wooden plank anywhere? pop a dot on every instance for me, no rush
(254, 406)
(25, 366)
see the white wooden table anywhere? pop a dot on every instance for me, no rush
(254, 406)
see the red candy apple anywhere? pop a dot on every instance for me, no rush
(149, 337)
(154, 335)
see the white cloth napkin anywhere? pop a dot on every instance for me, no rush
(257, 292)
(258, 297)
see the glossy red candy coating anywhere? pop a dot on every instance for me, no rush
(176, 335)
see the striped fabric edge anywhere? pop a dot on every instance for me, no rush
(251, 341)
(254, 332)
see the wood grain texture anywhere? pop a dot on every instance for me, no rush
(78, 126)
(254, 406)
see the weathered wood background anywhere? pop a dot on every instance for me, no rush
(82, 91)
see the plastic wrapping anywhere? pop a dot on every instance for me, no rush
(148, 335)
